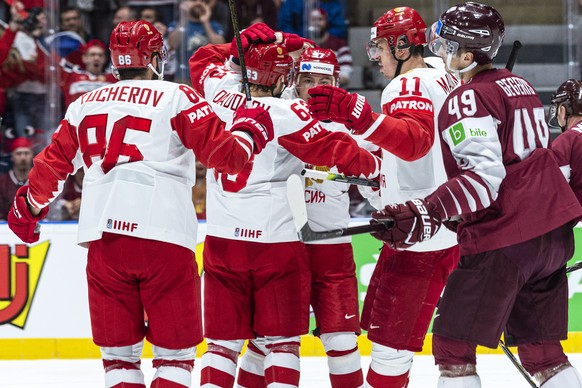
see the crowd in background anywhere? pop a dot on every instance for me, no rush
(46, 64)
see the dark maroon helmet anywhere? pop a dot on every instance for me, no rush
(568, 95)
(477, 28)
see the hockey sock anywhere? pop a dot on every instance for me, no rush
(389, 367)
(282, 362)
(122, 366)
(123, 374)
(173, 367)
(343, 360)
(251, 373)
(219, 363)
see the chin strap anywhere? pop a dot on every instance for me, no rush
(462, 71)
(400, 61)
(160, 73)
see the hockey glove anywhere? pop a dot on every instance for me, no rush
(21, 221)
(331, 103)
(257, 123)
(414, 221)
(294, 42)
(256, 33)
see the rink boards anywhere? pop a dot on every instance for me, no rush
(43, 296)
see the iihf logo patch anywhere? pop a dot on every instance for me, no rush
(109, 223)
(305, 67)
(237, 232)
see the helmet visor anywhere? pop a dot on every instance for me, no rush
(553, 116)
(440, 46)
(373, 50)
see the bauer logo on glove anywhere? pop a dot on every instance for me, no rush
(414, 221)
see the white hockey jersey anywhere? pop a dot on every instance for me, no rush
(135, 141)
(252, 205)
(404, 180)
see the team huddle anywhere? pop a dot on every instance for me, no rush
(467, 182)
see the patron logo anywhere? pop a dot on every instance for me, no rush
(19, 276)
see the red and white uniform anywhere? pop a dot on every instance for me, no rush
(24, 69)
(254, 262)
(421, 93)
(137, 141)
(412, 167)
(75, 82)
(134, 163)
(262, 185)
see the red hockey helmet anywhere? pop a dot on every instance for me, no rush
(267, 62)
(317, 61)
(568, 95)
(474, 27)
(132, 45)
(402, 23)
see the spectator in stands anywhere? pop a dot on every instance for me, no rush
(71, 37)
(152, 15)
(97, 15)
(254, 11)
(23, 59)
(10, 182)
(319, 33)
(292, 13)
(124, 14)
(75, 81)
(221, 13)
(195, 29)
(199, 191)
(166, 9)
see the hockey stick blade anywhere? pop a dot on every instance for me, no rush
(574, 267)
(296, 199)
(330, 176)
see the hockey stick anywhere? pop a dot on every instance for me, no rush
(241, 58)
(574, 267)
(296, 199)
(513, 55)
(517, 364)
(330, 176)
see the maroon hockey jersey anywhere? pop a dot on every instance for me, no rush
(504, 182)
(568, 150)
